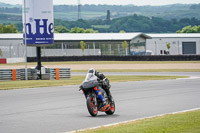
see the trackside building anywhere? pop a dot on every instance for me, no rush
(115, 44)
(180, 44)
(69, 45)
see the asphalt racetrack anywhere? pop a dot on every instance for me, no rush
(63, 109)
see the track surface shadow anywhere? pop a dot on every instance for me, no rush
(103, 116)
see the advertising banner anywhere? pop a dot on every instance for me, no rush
(38, 22)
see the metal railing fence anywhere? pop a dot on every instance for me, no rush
(50, 74)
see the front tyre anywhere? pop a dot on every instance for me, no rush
(111, 110)
(92, 106)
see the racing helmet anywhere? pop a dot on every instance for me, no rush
(92, 70)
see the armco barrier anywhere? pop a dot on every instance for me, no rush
(32, 74)
(19, 74)
(9, 74)
(119, 58)
(60, 73)
(14, 74)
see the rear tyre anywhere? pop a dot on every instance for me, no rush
(111, 110)
(92, 106)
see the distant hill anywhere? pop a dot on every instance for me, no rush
(130, 18)
(8, 5)
(135, 23)
(69, 12)
(4, 5)
(177, 11)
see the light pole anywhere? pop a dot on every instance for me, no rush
(178, 49)
(155, 48)
(25, 43)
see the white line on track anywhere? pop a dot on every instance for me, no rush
(192, 77)
(124, 122)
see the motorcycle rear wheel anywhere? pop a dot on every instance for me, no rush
(92, 106)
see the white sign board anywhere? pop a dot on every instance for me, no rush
(38, 22)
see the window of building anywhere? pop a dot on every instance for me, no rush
(137, 48)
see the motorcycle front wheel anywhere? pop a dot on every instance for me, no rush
(92, 106)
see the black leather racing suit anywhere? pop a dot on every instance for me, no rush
(105, 83)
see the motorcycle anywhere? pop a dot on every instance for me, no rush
(96, 97)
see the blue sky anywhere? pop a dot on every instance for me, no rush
(115, 2)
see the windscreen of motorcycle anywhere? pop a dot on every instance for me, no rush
(90, 76)
(90, 81)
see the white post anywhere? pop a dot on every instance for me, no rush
(94, 48)
(62, 49)
(155, 48)
(110, 49)
(118, 49)
(88, 49)
(24, 13)
(178, 49)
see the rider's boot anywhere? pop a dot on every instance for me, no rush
(109, 95)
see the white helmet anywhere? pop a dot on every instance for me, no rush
(92, 70)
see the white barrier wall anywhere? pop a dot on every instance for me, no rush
(15, 60)
(70, 52)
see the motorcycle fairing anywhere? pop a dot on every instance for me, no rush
(90, 81)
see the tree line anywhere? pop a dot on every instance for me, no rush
(134, 23)
(190, 29)
(61, 29)
(57, 29)
(65, 11)
(8, 28)
(137, 23)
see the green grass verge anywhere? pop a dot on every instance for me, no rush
(141, 78)
(187, 122)
(142, 70)
(75, 80)
(105, 62)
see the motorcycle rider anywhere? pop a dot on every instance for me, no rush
(103, 81)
